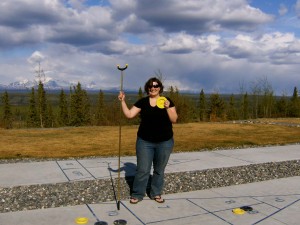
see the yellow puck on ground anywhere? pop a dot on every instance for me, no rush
(160, 102)
(81, 220)
(238, 211)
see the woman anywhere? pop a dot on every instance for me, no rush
(154, 142)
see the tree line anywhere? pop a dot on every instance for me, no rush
(76, 109)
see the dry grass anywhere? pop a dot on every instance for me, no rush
(282, 120)
(104, 141)
(191, 137)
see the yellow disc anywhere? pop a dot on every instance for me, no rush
(160, 102)
(81, 220)
(238, 211)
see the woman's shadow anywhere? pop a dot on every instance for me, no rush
(130, 170)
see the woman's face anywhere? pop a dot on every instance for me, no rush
(154, 89)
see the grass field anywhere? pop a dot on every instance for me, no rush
(104, 141)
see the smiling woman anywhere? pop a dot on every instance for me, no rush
(154, 142)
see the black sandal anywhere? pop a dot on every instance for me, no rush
(134, 200)
(159, 199)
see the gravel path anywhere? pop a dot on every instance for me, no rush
(94, 191)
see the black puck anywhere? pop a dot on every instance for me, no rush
(120, 222)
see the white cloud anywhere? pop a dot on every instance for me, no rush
(185, 43)
(36, 57)
(268, 48)
(197, 44)
(194, 16)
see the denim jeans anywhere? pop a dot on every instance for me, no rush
(148, 153)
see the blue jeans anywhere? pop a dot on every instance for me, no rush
(148, 153)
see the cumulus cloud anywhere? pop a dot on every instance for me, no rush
(194, 16)
(51, 21)
(22, 14)
(196, 44)
(184, 43)
(266, 48)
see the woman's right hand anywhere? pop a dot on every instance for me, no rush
(121, 96)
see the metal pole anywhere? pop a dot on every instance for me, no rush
(120, 132)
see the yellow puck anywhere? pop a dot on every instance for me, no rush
(160, 102)
(81, 220)
(238, 211)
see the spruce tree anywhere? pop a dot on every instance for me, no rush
(232, 113)
(63, 118)
(32, 118)
(79, 107)
(282, 106)
(295, 104)
(101, 118)
(185, 109)
(245, 106)
(7, 114)
(216, 107)
(140, 94)
(50, 118)
(202, 106)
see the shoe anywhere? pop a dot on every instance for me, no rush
(134, 200)
(159, 199)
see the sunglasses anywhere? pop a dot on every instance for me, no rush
(155, 86)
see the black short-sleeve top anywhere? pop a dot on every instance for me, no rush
(155, 125)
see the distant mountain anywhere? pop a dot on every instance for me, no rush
(49, 83)
(24, 84)
(2, 86)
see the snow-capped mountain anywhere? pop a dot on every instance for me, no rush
(49, 83)
(24, 84)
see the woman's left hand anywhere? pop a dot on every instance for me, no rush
(167, 104)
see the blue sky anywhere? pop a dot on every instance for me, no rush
(216, 45)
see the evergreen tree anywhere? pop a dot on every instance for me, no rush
(7, 114)
(32, 119)
(18, 117)
(80, 107)
(232, 113)
(63, 117)
(101, 118)
(295, 104)
(202, 106)
(245, 106)
(172, 93)
(42, 105)
(185, 110)
(140, 94)
(113, 113)
(216, 108)
(50, 118)
(282, 107)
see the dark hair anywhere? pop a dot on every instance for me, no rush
(150, 82)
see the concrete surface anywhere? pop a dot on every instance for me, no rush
(273, 202)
